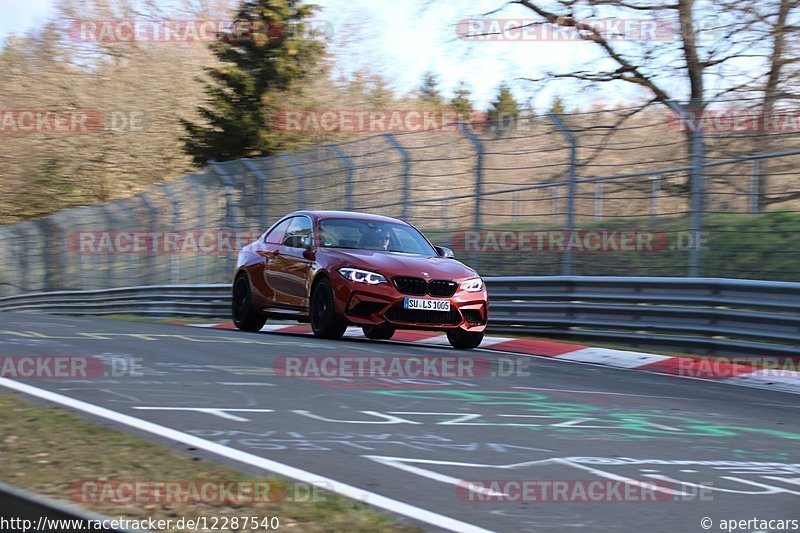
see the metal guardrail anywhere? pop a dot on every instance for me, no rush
(710, 316)
(697, 315)
(153, 300)
(24, 511)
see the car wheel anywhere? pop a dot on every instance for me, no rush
(378, 333)
(322, 312)
(242, 312)
(464, 340)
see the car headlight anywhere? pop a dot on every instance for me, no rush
(472, 285)
(362, 276)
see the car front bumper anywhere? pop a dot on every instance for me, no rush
(382, 304)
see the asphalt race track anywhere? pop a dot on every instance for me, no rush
(713, 450)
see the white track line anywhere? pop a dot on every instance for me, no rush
(350, 491)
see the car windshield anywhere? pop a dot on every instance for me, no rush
(361, 234)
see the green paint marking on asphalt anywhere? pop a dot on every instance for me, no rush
(588, 418)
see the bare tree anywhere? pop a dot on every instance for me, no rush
(704, 54)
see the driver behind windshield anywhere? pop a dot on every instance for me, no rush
(376, 240)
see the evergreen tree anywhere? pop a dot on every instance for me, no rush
(460, 101)
(357, 87)
(505, 109)
(557, 106)
(382, 94)
(429, 92)
(267, 53)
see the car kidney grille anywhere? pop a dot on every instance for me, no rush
(440, 287)
(419, 316)
(415, 286)
(421, 287)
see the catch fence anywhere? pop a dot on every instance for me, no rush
(586, 194)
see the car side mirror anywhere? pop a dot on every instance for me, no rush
(297, 241)
(447, 253)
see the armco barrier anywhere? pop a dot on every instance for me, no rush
(156, 300)
(713, 316)
(698, 315)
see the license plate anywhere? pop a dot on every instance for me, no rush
(426, 304)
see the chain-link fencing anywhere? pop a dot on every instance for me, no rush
(620, 192)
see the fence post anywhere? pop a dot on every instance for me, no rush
(231, 217)
(755, 178)
(555, 204)
(9, 280)
(35, 246)
(566, 265)
(22, 253)
(598, 200)
(350, 169)
(655, 195)
(262, 191)
(54, 264)
(151, 228)
(301, 180)
(124, 209)
(105, 209)
(697, 184)
(174, 262)
(476, 217)
(394, 143)
(71, 257)
(201, 220)
(698, 200)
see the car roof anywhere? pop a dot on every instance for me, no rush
(320, 215)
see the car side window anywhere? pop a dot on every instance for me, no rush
(299, 231)
(276, 235)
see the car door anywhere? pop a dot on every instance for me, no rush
(290, 269)
(268, 250)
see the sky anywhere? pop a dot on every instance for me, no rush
(18, 16)
(404, 39)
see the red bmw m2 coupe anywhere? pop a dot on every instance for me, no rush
(335, 269)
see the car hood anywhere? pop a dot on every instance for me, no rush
(400, 264)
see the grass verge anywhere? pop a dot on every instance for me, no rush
(50, 451)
